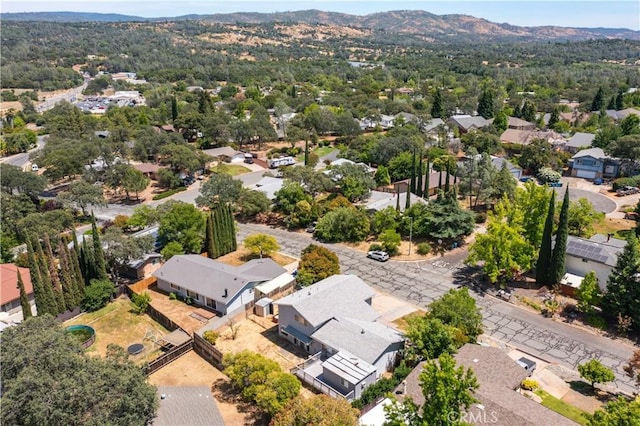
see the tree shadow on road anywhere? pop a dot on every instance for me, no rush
(470, 277)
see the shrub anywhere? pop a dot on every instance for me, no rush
(529, 384)
(481, 217)
(424, 249)
(597, 321)
(97, 294)
(210, 336)
(626, 181)
(375, 247)
(531, 304)
(140, 302)
(169, 193)
(547, 175)
(173, 296)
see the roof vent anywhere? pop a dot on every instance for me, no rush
(362, 331)
(226, 293)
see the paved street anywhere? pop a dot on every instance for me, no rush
(22, 160)
(422, 282)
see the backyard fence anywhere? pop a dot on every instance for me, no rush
(168, 357)
(162, 319)
(143, 284)
(207, 351)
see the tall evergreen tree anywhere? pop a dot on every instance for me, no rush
(437, 110)
(620, 101)
(554, 118)
(598, 100)
(208, 240)
(560, 248)
(76, 275)
(47, 287)
(54, 275)
(447, 185)
(407, 202)
(413, 172)
(40, 296)
(98, 251)
(427, 173)
(485, 104)
(232, 229)
(89, 263)
(174, 108)
(66, 278)
(419, 176)
(544, 255)
(24, 299)
(218, 240)
(623, 292)
(306, 152)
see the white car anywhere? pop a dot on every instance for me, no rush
(380, 256)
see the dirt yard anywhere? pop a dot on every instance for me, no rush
(176, 310)
(243, 255)
(116, 323)
(191, 370)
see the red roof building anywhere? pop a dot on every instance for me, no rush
(9, 293)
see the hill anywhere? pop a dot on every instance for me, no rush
(450, 28)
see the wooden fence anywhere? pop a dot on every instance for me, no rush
(143, 284)
(207, 351)
(168, 357)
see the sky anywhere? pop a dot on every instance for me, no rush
(568, 13)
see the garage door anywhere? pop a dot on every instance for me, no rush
(587, 174)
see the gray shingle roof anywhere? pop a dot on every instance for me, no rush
(601, 252)
(469, 122)
(189, 405)
(338, 295)
(580, 140)
(597, 153)
(365, 339)
(497, 375)
(210, 278)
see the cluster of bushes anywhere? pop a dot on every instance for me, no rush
(626, 181)
(177, 296)
(288, 151)
(382, 386)
(210, 336)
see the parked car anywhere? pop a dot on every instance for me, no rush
(627, 190)
(380, 256)
(555, 184)
(526, 178)
(527, 364)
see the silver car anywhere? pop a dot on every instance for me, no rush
(380, 256)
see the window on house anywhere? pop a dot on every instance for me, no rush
(176, 287)
(301, 320)
(344, 383)
(211, 303)
(193, 295)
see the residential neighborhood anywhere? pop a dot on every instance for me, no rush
(315, 218)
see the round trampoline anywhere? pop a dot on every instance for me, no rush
(135, 349)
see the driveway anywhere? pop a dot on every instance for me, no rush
(421, 282)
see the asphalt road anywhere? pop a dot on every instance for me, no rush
(421, 282)
(22, 160)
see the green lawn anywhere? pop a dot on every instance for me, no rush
(230, 169)
(561, 407)
(320, 152)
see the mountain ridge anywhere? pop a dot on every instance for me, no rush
(416, 22)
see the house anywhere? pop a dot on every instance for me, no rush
(226, 154)
(519, 124)
(467, 123)
(620, 115)
(150, 170)
(598, 254)
(499, 401)
(187, 405)
(10, 295)
(223, 288)
(593, 163)
(500, 162)
(579, 141)
(406, 117)
(138, 269)
(436, 180)
(379, 200)
(334, 320)
(525, 137)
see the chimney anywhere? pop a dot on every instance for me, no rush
(226, 293)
